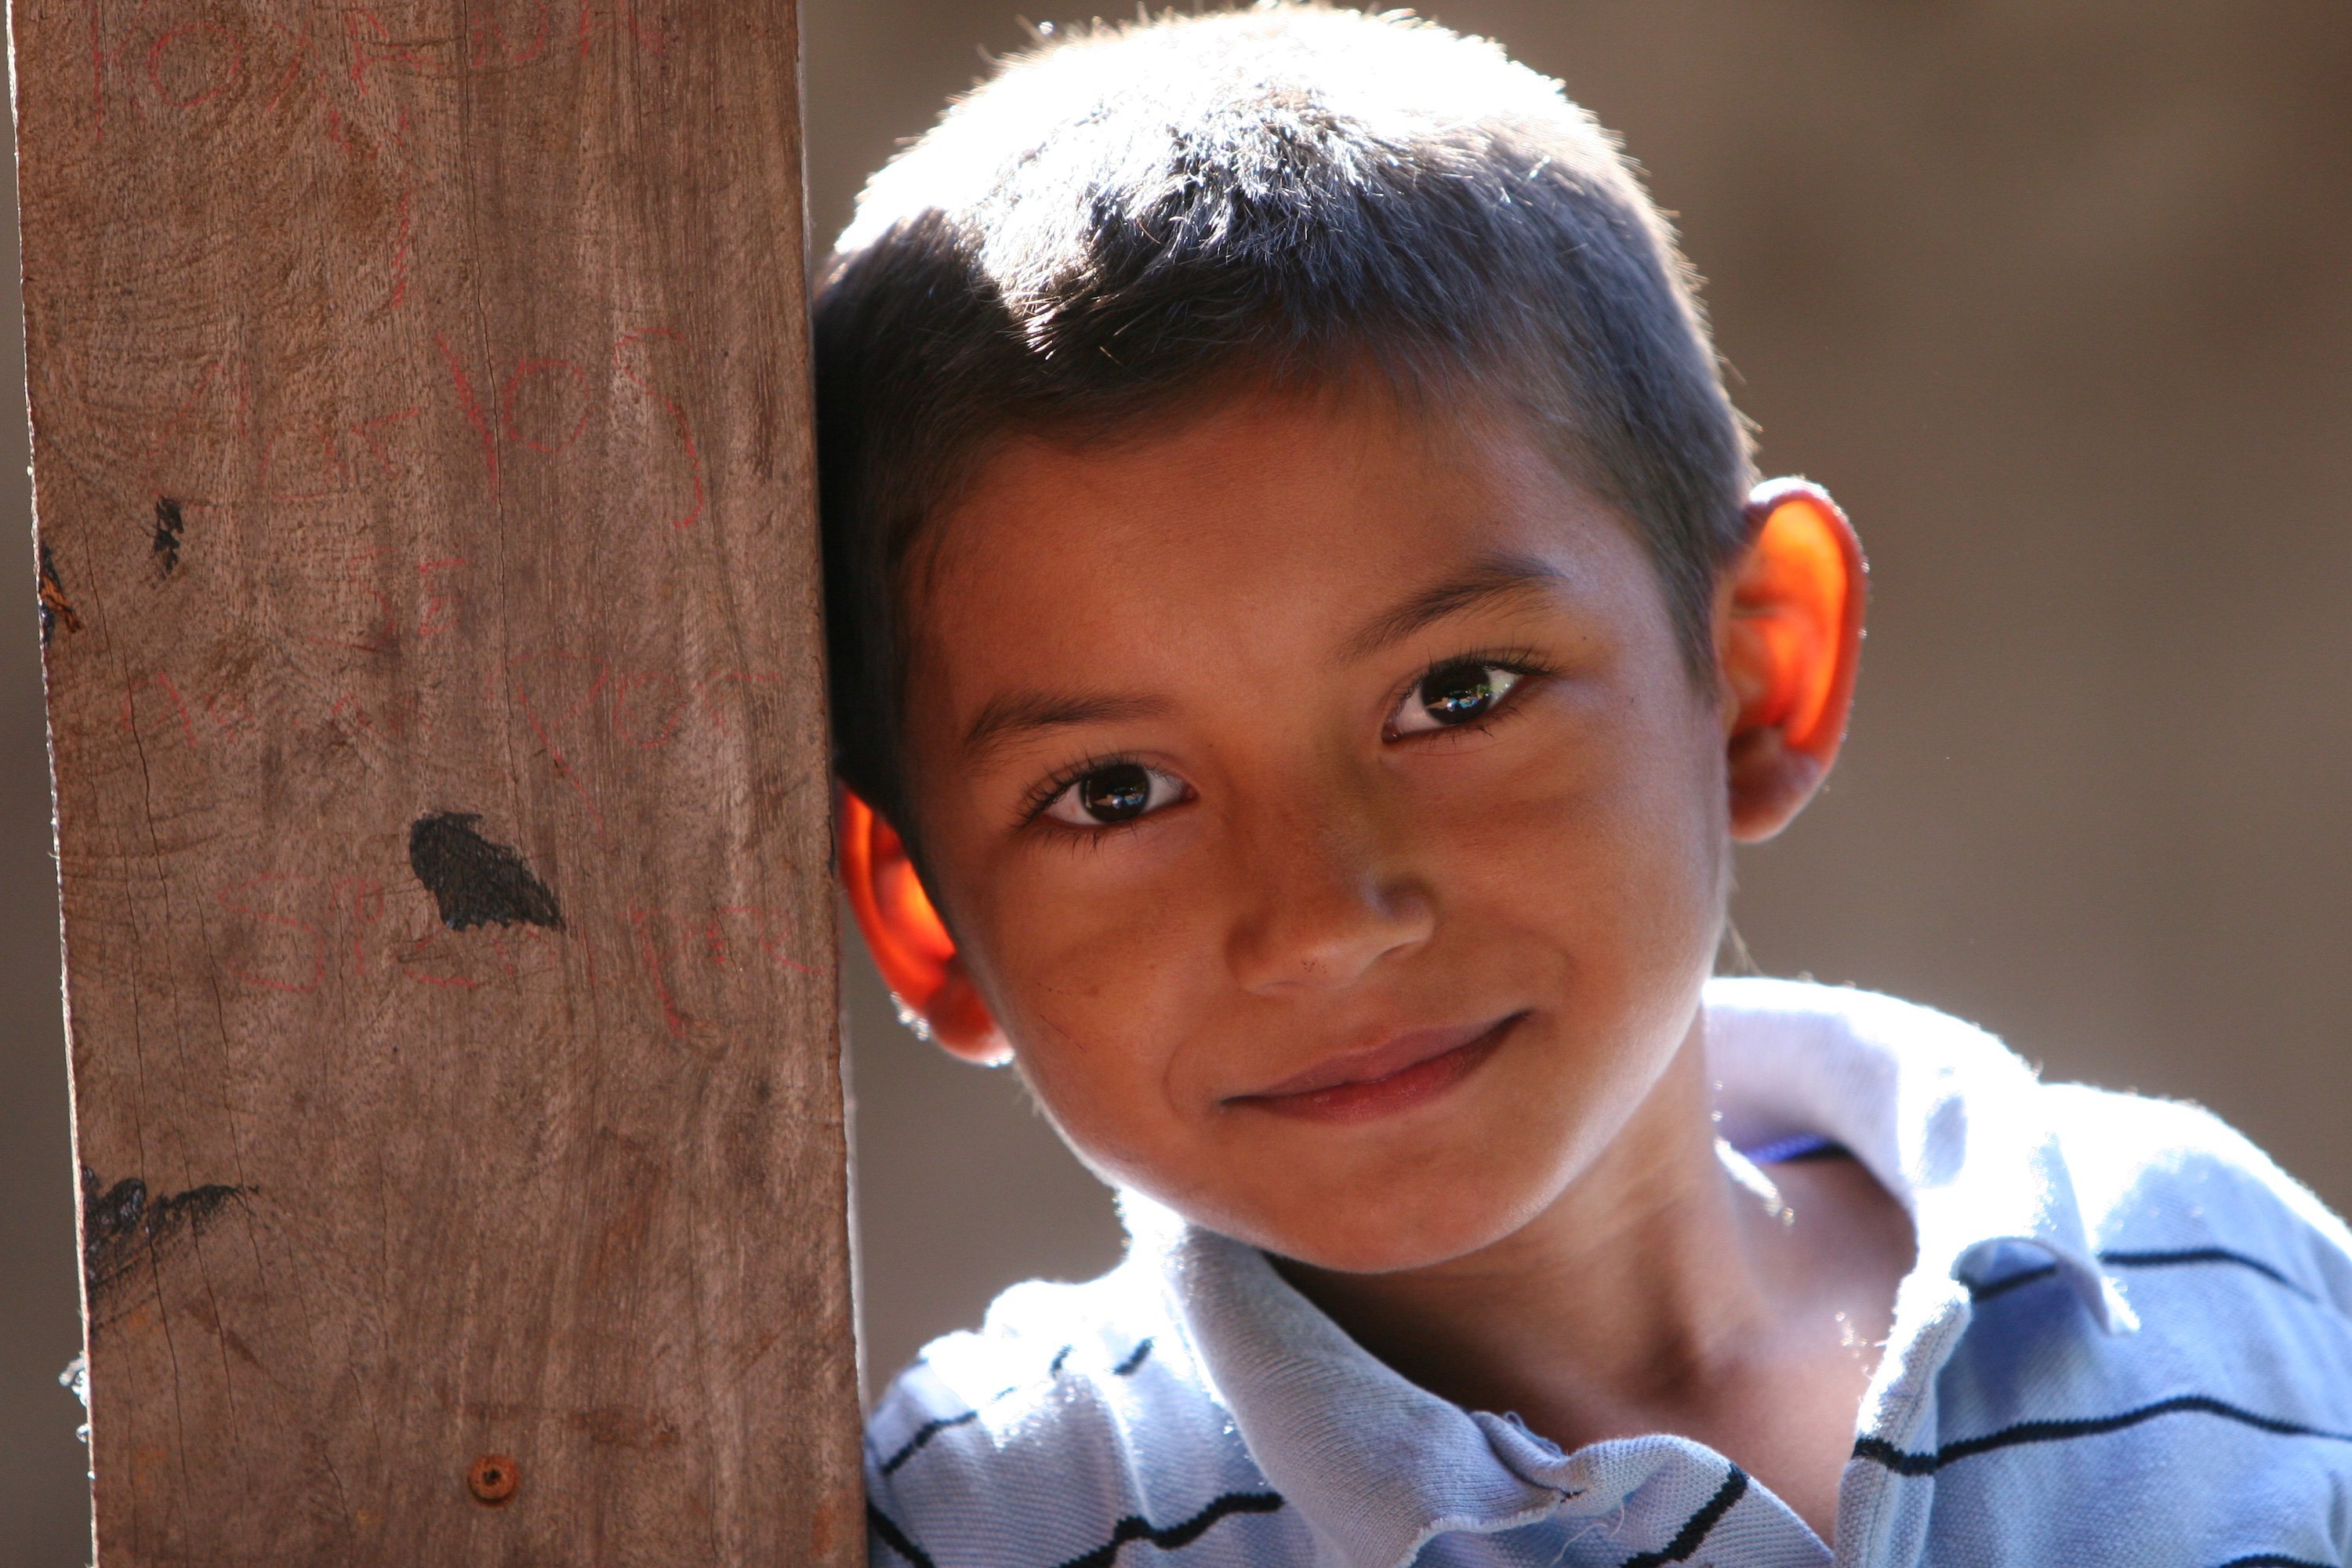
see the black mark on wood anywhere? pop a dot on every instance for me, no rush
(475, 881)
(55, 611)
(169, 527)
(122, 1222)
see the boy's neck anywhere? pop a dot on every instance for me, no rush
(1633, 1288)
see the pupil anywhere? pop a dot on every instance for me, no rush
(1115, 795)
(1455, 695)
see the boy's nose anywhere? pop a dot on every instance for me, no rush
(1323, 902)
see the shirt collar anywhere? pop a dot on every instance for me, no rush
(1943, 1115)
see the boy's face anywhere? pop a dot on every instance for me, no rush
(1324, 809)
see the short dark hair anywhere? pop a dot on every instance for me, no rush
(1134, 215)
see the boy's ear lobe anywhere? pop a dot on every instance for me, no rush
(1788, 640)
(909, 941)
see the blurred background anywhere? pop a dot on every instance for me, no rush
(2056, 298)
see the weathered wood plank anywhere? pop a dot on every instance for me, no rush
(423, 466)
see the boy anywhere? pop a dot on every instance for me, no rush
(1305, 640)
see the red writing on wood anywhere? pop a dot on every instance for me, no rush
(193, 63)
(210, 450)
(295, 933)
(672, 948)
(185, 57)
(292, 953)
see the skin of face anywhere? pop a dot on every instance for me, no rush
(1249, 602)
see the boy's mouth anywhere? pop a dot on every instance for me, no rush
(1358, 1085)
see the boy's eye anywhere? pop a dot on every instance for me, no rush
(1110, 795)
(1450, 695)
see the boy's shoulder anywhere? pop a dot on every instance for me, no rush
(1073, 1405)
(2211, 1421)
(2144, 1177)
(2169, 1190)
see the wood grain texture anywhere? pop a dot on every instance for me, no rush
(423, 472)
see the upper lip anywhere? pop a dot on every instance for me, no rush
(1372, 1063)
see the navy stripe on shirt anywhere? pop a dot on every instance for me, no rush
(938, 1424)
(1882, 1452)
(895, 1538)
(1694, 1529)
(2176, 1258)
(1135, 1528)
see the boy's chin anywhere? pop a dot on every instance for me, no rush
(1358, 1236)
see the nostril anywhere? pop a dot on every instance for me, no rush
(1298, 940)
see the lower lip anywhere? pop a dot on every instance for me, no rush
(1400, 1091)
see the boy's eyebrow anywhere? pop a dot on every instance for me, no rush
(1016, 713)
(1496, 576)
(1013, 714)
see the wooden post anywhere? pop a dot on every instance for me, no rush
(422, 451)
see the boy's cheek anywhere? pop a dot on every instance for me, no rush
(1587, 892)
(1360, 1201)
(1496, 1151)
(1105, 1099)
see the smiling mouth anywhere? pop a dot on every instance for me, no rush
(1361, 1085)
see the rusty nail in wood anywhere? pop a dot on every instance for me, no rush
(493, 1479)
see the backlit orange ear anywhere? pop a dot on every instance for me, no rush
(909, 941)
(1789, 640)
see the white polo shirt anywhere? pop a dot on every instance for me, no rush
(2128, 1340)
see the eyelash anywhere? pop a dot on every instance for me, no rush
(1520, 661)
(1033, 807)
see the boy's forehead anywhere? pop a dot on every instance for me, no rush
(1243, 502)
(1273, 527)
